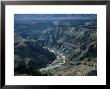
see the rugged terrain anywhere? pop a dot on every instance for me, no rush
(56, 47)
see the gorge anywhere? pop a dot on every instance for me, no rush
(55, 45)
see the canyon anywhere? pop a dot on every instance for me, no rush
(55, 46)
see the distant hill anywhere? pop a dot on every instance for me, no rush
(55, 16)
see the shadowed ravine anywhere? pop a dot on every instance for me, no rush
(30, 56)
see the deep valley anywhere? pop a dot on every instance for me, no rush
(55, 44)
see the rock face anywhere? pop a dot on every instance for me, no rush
(56, 46)
(32, 56)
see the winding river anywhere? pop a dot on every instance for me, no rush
(60, 59)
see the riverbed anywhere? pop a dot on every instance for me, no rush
(60, 60)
